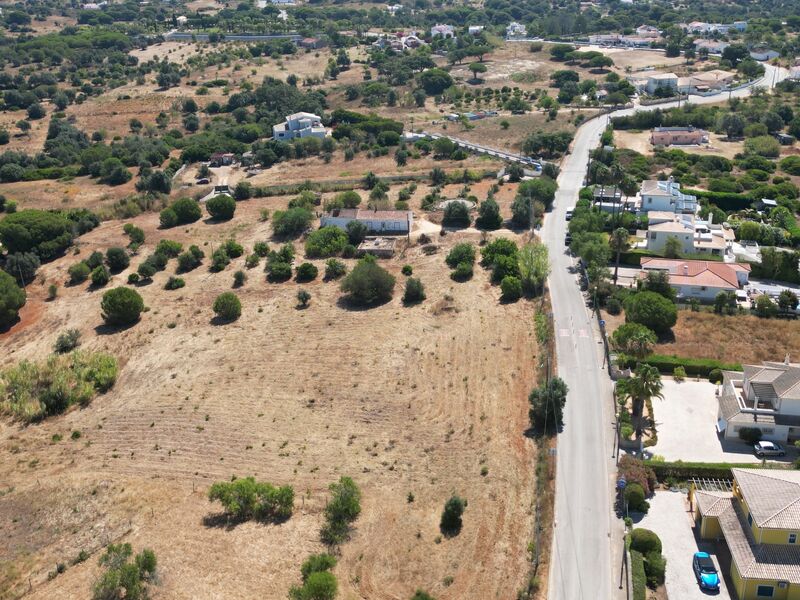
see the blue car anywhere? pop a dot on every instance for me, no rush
(705, 571)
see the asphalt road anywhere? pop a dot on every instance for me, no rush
(587, 536)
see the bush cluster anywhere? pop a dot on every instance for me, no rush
(326, 241)
(247, 498)
(12, 298)
(32, 391)
(121, 306)
(343, 508)
(227, 306)
(124, 578)
(368, 283)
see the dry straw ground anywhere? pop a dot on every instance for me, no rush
(404, 400)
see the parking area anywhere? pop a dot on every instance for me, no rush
(670, 519)
(686, 421)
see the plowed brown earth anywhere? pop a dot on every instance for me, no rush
(403, 399)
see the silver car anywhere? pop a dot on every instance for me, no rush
(768, 449)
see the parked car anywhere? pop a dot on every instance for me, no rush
(705, 571)
(765, 448)
(569, 214)
(568, 239)
(203, 181)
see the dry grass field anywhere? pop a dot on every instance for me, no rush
(741, 339)
(637, 60)
(640, 142)
(403, 399)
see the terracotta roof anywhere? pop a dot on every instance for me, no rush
(772, 495)
(757, 561)
(698, 272)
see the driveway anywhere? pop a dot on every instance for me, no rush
(670, 519)
(686, 420)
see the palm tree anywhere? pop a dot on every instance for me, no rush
(644, 385)
(619, 243)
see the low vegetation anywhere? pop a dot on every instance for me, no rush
(246, 498)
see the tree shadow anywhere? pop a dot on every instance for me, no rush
(221, 521)
(106, 329)
(218, 321)
(6, 328)
(348, 304)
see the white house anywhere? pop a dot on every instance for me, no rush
(699, 279)
(476, 29)
(515, 30)
(181, 20)
(647, 31)
(393, 8)
(765, 396)
(300, 125)
(377, 221)
(661, 80)
(764, 54)
(710, 46)
(665, 196)
(694, 235)
(445, 31)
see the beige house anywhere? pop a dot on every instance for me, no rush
(678, 136)
(705, 81)
(695, 236)
(766, 397)
(758, 517)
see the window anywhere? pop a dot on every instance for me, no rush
(765, 591)
(792, 538)
(749, 519)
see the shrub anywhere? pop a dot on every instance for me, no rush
(174, 283)
(505, 266)
(169, 248)
(327, 241)
(261, 249)
(356, 232)
(190, 259)
(407, 270)
(317, 563)
(146, 270)
(79, 272)
(450, 524)
(239, 277)
(462, 272)
(636, 471)
(219, 259)
(167, 218)
(95, 260)
(157, 261)
(186, 210)
(135, 234)
(227, 306)
(321, 585)
(511, 288)
(460, 254)
(420, 595)
(751, 435)
(489, 215)
(221, 208)
(679, 374)
(123, 579)
(715, 376)
(414, 292)
(791, 165)
(278, 271)
(613, 306)
(247, 498)
(655, 566)
(32, 391)
(342, 509)
(368, 283)
(635, 499)
(546, 412)
(133, 278)
(499, 247)
(67, 341)
(100, 276)
(456, 214)
(349, 251)
(52, 291)
(292, 222)
(334, 269)
(22, 266)
(307, 272)
(645, 541)
(232, 248)
(693, 366)
(121, 306)
(117, 259)
(651, 310)
(303, 298)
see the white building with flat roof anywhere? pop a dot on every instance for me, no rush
(300, 125)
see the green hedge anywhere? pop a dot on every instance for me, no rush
(727, 201)
(683, 471)
(638, 576)
(633, 258)
(693, 366)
